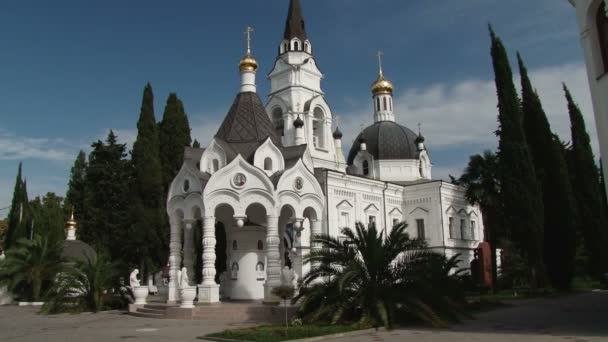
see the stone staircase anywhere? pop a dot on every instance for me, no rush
(228, 312)
(151, 311)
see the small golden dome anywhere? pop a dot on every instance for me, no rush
(71, 222)
(382, 86)
(248, 63)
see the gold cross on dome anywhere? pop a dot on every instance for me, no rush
(419, 128)
(248, 33)
(380, 54)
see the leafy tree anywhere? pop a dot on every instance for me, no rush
(592, 219)
(174, 137)
(521, 193)
(375, 279)
(17, 216)
(31, 266)
(47, 217)
(482, 183)
(3, 229)
(552, 174)
(75, 196)
(105, 220)
(82, 287)
(148, 231)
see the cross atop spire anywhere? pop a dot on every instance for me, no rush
(248, 34)
(294, 27)
(379, 55)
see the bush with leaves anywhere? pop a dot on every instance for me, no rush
(372, 280)
(30, 267)
(83, 286)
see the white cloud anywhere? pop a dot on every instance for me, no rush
(14, 147)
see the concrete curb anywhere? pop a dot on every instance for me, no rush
(307, 339)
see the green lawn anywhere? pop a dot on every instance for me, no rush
(273, 333)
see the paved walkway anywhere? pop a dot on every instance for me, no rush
(577, 318)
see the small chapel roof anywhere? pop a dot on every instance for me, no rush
(247, 122)
(295, 27)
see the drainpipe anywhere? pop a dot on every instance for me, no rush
(441, 208)
(384, 209)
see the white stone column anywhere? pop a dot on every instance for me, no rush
(273, 258)
(175, 258)
(209, 290)
(315, 230)
(189, 247)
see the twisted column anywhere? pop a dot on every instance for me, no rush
(315, 230)
(175, 258)
(189, 247)
(273, 258)
(209, 289)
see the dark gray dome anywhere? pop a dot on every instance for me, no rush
(76, 250)
(386, 140)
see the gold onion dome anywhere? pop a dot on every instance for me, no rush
(382, 86)
(71, 222)
(248, 63)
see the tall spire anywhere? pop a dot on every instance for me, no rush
(294, 27)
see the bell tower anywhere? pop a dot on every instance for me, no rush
(593, 23)
(296, 103)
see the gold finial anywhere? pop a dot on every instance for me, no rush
(419, 128)
(248, 33)
(248, 63)
(380, 54)
(381, 85)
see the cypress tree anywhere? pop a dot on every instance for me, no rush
(47, 217)
(196, 144)
(522, 197)
(148, 229)
(603, 190)
(174, 137)
(592, 219)
(105, 220)
(15, 214)
(552, 174)
(74, 199)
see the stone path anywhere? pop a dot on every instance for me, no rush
(577, 318)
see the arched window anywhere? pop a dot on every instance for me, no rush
(318, 128)
(390, 103)
(365, 168)
(268, 164)
(385, 104)
(377, 103)
(277, 119)
(296, 45)
(602, 35)
(216, 165)
(307, 47)
(285, 47)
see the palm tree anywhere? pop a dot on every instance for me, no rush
(483, 188)
(82, 286)
(373, 279)
(30, 267)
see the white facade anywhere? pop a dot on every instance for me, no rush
(274, 177)
(589, 14)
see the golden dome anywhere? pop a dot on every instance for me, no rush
(71, 222)
(382, 86)
(248, 63)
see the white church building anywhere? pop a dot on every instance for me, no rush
(275, 175)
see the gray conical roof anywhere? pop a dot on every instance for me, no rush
(247, 122)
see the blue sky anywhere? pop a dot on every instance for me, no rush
(70, 70)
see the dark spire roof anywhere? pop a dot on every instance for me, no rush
(247, 121)
(337, 133)
(294, 27)
(298, 123)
